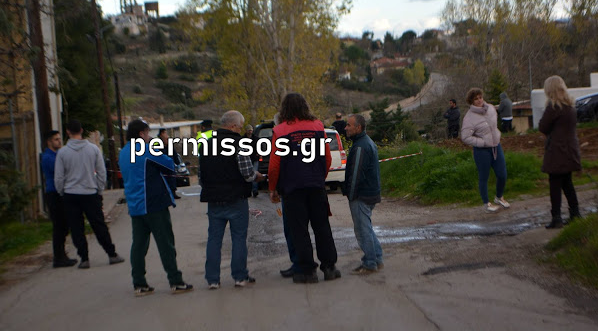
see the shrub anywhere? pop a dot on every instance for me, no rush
(14, 193)
(162, 71)
(137, 89)
(174, 92)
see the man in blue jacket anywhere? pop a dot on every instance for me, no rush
(60, 227)
(362, 188)
(149, 186)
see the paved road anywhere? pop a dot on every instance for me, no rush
(397, 298)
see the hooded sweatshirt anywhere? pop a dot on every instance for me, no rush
(79, 168)
(479, 127)
(505, 109)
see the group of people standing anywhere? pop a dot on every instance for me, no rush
(75, 177)
(561, 157)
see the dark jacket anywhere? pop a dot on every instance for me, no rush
(221, 178)
(453, 115)
(340, 127)
(562, 147)
(505, 109)
(362, 173)
(148, 182)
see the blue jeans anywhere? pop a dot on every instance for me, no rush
(364, 232)
(237, 213)
(484, 160)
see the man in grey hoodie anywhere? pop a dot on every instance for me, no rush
(80, 176)
(505, 111)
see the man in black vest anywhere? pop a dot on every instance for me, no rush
(226, 185)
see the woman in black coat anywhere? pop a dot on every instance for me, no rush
(561, 155)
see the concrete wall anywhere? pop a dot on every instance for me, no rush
(539, 98)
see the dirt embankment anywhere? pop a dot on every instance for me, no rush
(534, 143)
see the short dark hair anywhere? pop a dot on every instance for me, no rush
(134, 128)
(472, 94)
(74, 126)
(162, 130)
(50, 134)
(453, 101)
(359, 120)
(294, 106)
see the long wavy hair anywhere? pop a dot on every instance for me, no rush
(294, 107)
(556, 93)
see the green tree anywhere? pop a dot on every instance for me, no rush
(78, 73)
(380, 128)
(497, 84)
(162, 71)
(264, 45)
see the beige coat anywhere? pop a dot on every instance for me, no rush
(479, 127)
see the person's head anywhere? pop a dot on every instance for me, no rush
(475, 97)
(232, 120)
(162, 134)
(294, 107)
(355, 125)
(453, 103)
(503, 96)
(53, 140)
(339, 116)
(248, 130)
(138, 129)
(556, 92)
(205, 125)
(74, 129)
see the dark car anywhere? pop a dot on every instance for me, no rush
(264, 130)
(587, 108)
(182, 173)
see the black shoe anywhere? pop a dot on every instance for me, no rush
(574, 214)
(287, 273)
(176, 196)
(66, 262)
(331, 273)
(143, 290)
(84, 264)
(181, 288)
(305, 278)
(255, 193)
(557, 223)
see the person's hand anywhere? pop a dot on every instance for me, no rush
(274, 197)
(258, 177)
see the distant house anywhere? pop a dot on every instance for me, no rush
(344, 75)
(131, 23)
(181, 129)
(379, 66)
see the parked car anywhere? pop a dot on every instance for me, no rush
(181, 171)
(339, 156)
(587, 108)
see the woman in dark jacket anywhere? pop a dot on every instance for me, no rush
(561, 155)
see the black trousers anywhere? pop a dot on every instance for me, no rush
(562, 182)
(507, 125)
(302, 207)
(60, 227)
(453, 131)
(75, 206)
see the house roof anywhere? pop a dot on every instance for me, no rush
(390, 63)
(171, 125)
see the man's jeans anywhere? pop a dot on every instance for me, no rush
(254, 185)
(237, 213)
(366, 237)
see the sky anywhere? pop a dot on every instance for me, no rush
(379, 16)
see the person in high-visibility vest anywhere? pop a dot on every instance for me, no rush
(205, 131)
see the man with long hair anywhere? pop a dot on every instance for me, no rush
(302, 186)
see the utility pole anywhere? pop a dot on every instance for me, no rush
(109, 126)
(117, 92)
(39, 69)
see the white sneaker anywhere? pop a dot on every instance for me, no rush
(214, 286)
(490, 208)
(502, 202)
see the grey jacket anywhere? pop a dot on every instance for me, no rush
(79, 168)
(505, 109)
